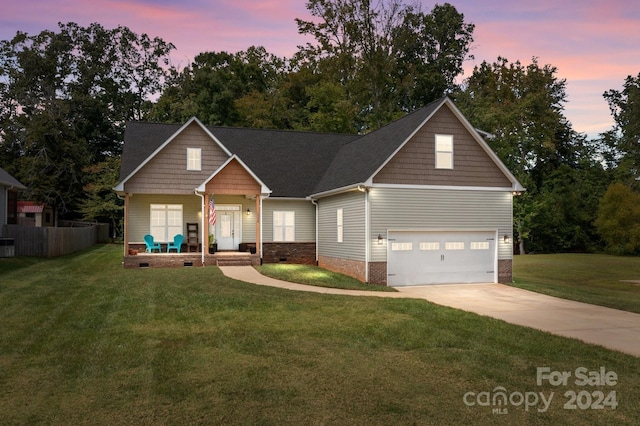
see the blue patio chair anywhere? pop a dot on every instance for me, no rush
(176, 244)
(151, 245)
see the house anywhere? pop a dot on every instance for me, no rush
(34, 214)
(423, 200)
(9, 187)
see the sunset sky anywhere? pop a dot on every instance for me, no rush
(594, 44)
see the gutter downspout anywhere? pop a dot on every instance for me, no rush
(201, 224)
(367, 230)
(315, 203)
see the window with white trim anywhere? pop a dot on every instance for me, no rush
(166, 221)
(339, 225)
(444, 151)
(194, 159)
(284, 228)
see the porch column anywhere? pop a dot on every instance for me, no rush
(258, 233)
(205, 224)
(126, 224)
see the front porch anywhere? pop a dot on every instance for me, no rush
(180, 260)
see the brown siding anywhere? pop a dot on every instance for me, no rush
(166, 173)
(233, 179)
(414, 164)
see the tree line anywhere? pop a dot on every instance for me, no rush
(66, 96)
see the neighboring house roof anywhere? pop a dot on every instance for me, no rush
(29, 207)
(300, 164)
(7, 180)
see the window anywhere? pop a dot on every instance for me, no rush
(339, 224)
(194, 159)
(456, 245)
(284, 226)
(166, 221)
(444, 151)
(430, 246)
(479, 245)
(401, 246)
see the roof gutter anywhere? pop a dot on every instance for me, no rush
(348, 188)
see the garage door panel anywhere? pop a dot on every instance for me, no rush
(416, 258)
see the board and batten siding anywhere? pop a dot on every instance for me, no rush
(140, 212)
(305, 219)
(354, 226)
(439, 210)
(167, 173)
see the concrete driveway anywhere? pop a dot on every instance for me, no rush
(611, 328)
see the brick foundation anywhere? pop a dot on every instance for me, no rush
(378, 273)
(352, 268)
(300, 253)
(505, 271)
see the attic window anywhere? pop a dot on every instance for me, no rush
(194, 159)
(444, 151)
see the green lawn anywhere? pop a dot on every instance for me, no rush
(84, 341)
(313, 275)
(590, 278)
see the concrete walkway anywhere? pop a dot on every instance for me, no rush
(611, 328)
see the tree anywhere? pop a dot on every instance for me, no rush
(619, 219)
(65, 98)
(389, 58)
(522, 107)
(623, 140)
(210, 86)
(101, 204)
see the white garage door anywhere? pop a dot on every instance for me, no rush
(415, 258)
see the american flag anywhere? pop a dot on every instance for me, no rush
(212, 212)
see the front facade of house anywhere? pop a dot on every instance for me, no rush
(420, 201)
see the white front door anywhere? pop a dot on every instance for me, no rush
(228, 232)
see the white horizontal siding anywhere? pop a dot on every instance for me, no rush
(305, 216)
(437, 209)
(354, 226)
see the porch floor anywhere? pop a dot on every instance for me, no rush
(177, 260)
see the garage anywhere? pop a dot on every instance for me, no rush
(441, 257)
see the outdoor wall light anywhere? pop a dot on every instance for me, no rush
(507, 239)
(248, 212)
(380, 239)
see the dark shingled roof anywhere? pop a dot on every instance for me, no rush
(292, 164)
(358, 160)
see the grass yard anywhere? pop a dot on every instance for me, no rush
(313, 275)
(84, 341)
(590, 278)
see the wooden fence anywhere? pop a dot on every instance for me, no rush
(58, 241)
